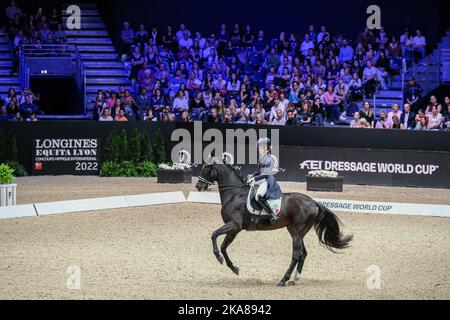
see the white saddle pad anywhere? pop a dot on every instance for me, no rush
(274, 204)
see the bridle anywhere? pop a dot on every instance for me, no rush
(221, 187)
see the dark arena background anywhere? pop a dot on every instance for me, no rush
(117, 115)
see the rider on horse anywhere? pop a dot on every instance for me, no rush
(264, 177)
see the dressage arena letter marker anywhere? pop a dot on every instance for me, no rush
(74, 279)
(374, 280)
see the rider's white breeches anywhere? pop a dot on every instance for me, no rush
(262, 189)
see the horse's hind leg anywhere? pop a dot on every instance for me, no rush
(301, 263)
(297, 249)
(225, 244)
(224, 230)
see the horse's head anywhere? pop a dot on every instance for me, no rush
(207, 177)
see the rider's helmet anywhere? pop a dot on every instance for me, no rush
(264, 142)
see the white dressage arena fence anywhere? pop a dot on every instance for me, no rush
(95, 204)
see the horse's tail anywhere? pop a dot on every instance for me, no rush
(328, 230)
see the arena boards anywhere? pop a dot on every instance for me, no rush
(85, 205)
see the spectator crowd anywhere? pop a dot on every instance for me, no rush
(240, 76)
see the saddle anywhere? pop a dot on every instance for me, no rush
(255, 209)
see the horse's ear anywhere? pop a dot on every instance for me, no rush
(228, 158)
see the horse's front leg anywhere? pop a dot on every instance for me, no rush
(228, 228)
(226, 243)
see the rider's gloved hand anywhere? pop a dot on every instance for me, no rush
(250, 179)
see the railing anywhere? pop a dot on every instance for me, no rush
(48, 50)
(428, 71)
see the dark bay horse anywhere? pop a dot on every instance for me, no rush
(299, 214)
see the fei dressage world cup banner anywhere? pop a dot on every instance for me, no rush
(66, 156)
(373, 167)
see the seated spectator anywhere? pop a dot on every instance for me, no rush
(408, 118)
(346, 52)
(28, 107)
(446, 122)
(180, 103)
(435, 119)
(143, 103)
(433, 103)
(395, 112)
(396, 122)
(423, 124)
(332, 101)
(419, 44)
(292, 120)
(12, 10)
(383, 122)
(370, 75)
(121, 117)
(127, 38)
(356, 122)
(106, 115)
(364, 124)
(367, 114)
(318, 112)
(278, 119)
(214, 116)
(150, 116)
(305, 118)
(4, 114)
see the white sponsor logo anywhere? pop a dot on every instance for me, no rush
(370, 167)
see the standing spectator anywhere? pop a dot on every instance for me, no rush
(408, 118)
(413, 93)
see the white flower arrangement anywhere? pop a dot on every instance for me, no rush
(175, 166)
(323, 174)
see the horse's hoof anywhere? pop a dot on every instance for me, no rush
(281, 284)
(220, 259)
(235, 270)
(298, 277)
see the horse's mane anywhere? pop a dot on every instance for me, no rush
(236, 170)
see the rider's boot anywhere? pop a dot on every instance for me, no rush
(263, 203)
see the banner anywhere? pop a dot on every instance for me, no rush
(370, 167)
(71, 156)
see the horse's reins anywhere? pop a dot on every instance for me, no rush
(220, 187)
